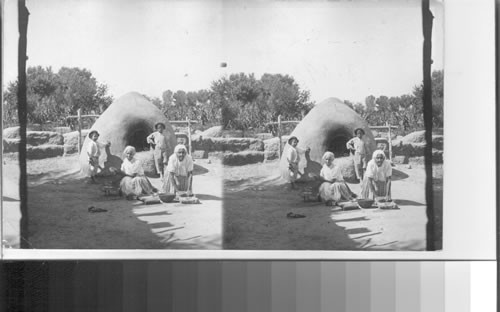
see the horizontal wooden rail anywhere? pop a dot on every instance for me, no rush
(383, 127)
(183, 121)
(83, 116)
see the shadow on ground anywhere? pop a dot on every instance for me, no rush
(199, 170)
(257, 200)
(398, 175)
(59, 218)
(255, 217)
(404, 202)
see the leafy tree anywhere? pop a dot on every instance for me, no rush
(168, 97)
(167, 102)
(53, 96)
(192, 104)
(41, 86)
(9, 105)
(360, 109)
(370, 102)
(221, 97)
(101, 98)
(180, 98)
(78, 88)
(241, 101)
(178, 109)
(246, 102)
(405, 110)
(283, 96)
(205, 110)
(437, 81)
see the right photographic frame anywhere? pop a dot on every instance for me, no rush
(356, 163)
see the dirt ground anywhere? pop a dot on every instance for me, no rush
(256, 202)
(59, 198)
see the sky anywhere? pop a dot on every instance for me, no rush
(344, 49)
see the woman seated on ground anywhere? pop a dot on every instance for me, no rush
(179, 176)
(134, 183)
(377, 180)
(333, 188)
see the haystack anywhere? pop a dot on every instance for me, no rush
(71, 141)
(413, 144)
(44, 151)
(11, 133)
(127, 121)
(34, 138)
(327, 127)
(243, 158)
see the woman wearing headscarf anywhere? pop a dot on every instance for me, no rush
(134, 183)
(377, 179)
(333, 188)
(179, 175)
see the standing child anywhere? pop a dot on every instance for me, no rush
(160, 152)
(93, 153)
(293, 158)
(357, 147)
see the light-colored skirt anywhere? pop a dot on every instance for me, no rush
(359, 164)
(358, 158)
(292, 173)
(160, 158)
(137, 186)
(183, 186)
(366, 190)
(336, 191)
(93, 166)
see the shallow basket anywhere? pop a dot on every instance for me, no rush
(166, 197)
(189, 200)
(387, 205)
(365, 203)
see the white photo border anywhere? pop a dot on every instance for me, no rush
(469, 212)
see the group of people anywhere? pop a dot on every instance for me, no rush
(374, 175)
(176, 170)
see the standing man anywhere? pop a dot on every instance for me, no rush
(158, 141)
(357, 147)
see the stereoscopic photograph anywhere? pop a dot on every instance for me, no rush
(246, 125)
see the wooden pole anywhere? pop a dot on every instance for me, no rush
(279, 134)
(79, 116)
(427, 18)
(22, 105)
(390, 141)
(189, 134)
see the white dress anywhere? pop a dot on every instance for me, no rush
(180, 171)
(337, 190)
(93, 153)
(160, 151)
(292, 155)
(135, 182)
(359, 154)
(379, 175)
